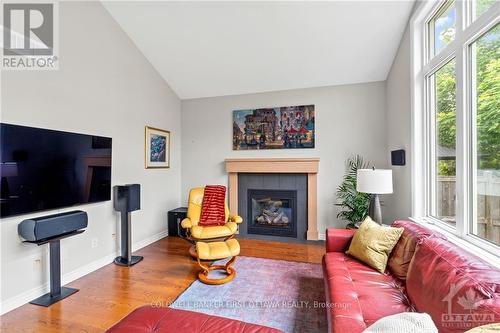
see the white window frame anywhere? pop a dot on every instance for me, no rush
(422, 67)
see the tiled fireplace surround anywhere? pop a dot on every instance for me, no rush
(298, 174)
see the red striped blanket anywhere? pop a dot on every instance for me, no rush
(213, 206)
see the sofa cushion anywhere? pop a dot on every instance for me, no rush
(167, 320)
(338, 240)
(404, 322)
(373, 243)
(401, 255)
(358, 295)
(448, 282)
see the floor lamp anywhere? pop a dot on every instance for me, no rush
(375, 182)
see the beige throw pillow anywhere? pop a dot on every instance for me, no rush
(372, 243)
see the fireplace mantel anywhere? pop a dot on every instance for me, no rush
(309, 166)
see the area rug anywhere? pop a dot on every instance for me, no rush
(281, 294)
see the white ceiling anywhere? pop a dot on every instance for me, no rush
(207, 49)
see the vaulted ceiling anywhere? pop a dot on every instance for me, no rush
(207, 49)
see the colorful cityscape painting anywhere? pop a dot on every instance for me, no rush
(288, 127)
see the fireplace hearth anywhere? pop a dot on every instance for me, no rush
(272, 212)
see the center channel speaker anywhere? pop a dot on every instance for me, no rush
(50, 229)
(127, 198)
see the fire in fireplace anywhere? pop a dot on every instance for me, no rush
(272, 212)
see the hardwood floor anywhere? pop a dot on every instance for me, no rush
(110, 293)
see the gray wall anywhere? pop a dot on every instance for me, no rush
(350, 119)
(398, 89)
(104, 86)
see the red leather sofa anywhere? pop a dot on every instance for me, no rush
(148, 319)
(429, 274)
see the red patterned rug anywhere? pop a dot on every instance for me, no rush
(286, 295)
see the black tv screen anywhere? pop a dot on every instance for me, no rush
(45, 169)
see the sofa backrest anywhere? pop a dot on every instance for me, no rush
(401, 255)
(458, 289)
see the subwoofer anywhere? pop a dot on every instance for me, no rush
(127, 198)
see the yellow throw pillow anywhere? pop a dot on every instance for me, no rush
(372, 243)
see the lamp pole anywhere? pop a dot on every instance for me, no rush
(375, 210)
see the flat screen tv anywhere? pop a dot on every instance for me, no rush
(44, 169)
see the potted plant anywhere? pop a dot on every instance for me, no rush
(354, 204)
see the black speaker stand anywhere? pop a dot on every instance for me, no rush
(120, 261)
(57, 292)
(126, 258)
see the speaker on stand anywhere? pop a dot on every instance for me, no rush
(50, 230)
(127, 198)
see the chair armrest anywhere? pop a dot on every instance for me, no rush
(186, 223)
(235, 218)
(338, 240)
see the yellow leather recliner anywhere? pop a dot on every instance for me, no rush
(197, 232)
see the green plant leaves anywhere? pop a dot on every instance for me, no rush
(354, 204)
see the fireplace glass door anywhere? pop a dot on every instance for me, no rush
(272, 212)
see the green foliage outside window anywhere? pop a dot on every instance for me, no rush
(483, 5)
(447, 168)
(488, 105)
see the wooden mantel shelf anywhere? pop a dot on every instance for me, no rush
(273, 165)
(310, 166)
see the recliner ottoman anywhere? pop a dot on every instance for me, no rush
(167, 320)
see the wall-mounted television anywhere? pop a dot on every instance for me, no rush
(45, 169)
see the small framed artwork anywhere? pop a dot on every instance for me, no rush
(157, 147)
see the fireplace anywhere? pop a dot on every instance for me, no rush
(273, 206)
(272, 212)
(299, 174)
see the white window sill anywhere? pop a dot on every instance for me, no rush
(468, 246)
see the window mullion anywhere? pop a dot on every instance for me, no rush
(441, 59)
(472, 148)
(481, 25)
(462, 134)
(430, 153)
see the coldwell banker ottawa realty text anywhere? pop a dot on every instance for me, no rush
(29, 36)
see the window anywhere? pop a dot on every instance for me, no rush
(456, 118)
(481, 6)
(444, 88)
(442, 28)
(485, 53)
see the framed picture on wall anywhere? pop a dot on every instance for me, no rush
(288, 127)
(157, 148)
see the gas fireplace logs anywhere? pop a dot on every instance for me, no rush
(271, 212)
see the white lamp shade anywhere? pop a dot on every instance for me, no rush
(378, 181)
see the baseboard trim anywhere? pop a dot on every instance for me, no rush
(27, 296)
(322, 236)
(145, 242)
